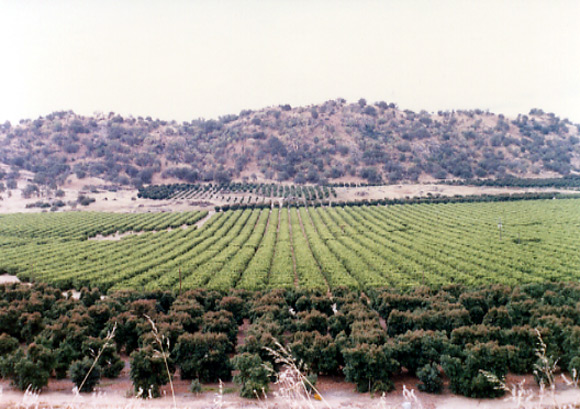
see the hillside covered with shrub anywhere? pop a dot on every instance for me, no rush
(327, 143)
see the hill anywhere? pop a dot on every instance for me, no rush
(331, 142)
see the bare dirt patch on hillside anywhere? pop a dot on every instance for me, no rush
(422, 190)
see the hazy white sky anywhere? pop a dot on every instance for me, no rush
(189, 59)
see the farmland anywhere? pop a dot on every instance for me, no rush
(319, 248)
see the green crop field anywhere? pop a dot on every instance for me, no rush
(307, 247)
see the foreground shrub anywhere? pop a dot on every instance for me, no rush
(318, 353)
(221, 322)
(203, 356)
(65, 355)
(464, 370)
(195, 387)
(30, 370)
(79, 371)
(29, 374)
(148, 371)
(109, 361)
(416, 349)
(430, 379)
(253, 376)
(8, 344)
(370, 367)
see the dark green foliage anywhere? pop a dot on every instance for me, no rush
(221, 322)
(148, 371)
(430, 378)
(353, 341)
(195, 387)
(367, 332)
(525, 342)
(31, 324)
(476, 305)
(109, 362)
(498, 317)
(100, 314)
(188, 312)
(41, 356)
(79, 371)
(127, 334)
(440, 318)
(90, 297)
(28, 370)
(203, 356)
(262, 334)
(370, 367)
(235, 305)
(574, 365)
(315, 352)
(8, 344)
(472, 334)
(312, 321)
(419, 348)
(464, 370)
(338, 323)
(253, 376)
(28, 373)
(65, 355)
(571, 346)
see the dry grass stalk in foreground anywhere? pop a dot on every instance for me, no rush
(293, 386)
(107, 344)
(296, 391)
(159, 339)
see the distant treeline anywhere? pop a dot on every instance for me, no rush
(410, 200)
(191, 190)
(569, 181)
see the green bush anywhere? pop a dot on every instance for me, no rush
(498, 317)
(310, 382)
(148, 371)
(312, 321)
(319, 353)
(235, 305)
(203, 356)
(253, 376)
(195, 387)
(30, 374)
(110, 362)
(430, 379)
(65, 355)
(415, 349)
(525, 340)
(31, 370)
(574, 365)
(221, 322)
(370, 367)
(8, 344)
(80, 369)
(464, 370)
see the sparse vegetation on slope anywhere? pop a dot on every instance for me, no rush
(325, 143)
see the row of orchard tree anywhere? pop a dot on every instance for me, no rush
(367, 337)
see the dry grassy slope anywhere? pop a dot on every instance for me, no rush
(334, 141)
